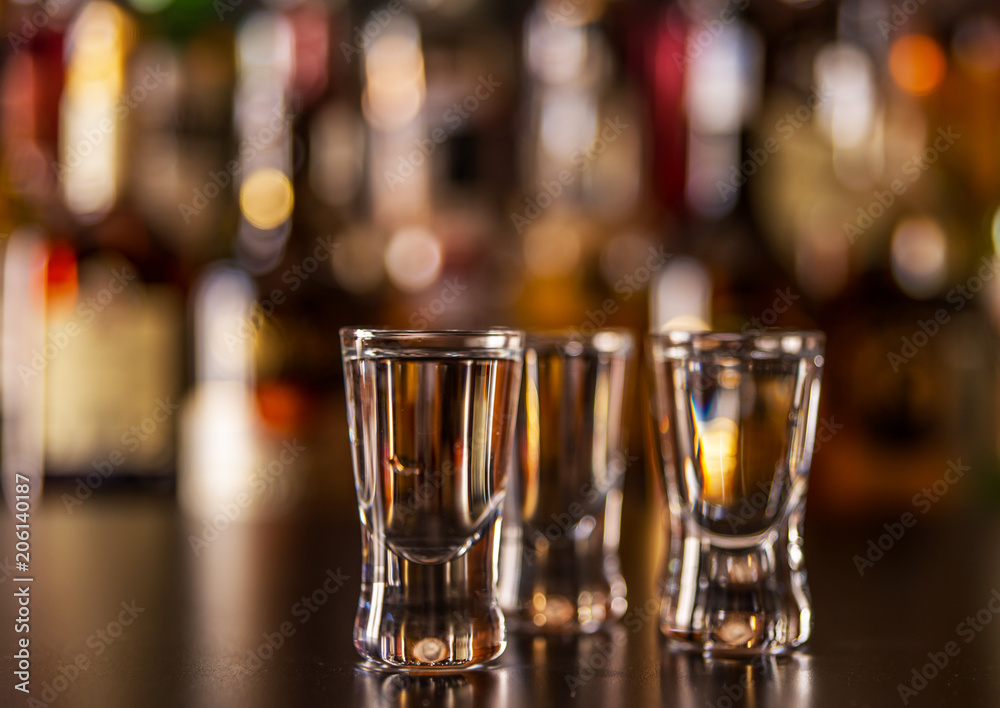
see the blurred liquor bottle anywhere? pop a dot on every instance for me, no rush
(111, 360)
(437, 88)
(254, 355)
(581, 213)
(30, 84)
(967, 107)
(859, 203)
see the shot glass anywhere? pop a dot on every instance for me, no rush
(735, 416)
(431, 418)
(559, 566)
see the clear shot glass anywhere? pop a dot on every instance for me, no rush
(431, 418)
(559, 568)
(735, 416)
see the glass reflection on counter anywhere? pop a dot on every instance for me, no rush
(689, 680)
(387, 689)
(565, 667)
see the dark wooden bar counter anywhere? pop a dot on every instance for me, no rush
(125, 613)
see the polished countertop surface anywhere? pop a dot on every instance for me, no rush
(132, 604)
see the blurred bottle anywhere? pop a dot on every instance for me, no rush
(860, 203)
(240, 446)
(112, 392)
(110, 362)
(587, 248)
(30, 85)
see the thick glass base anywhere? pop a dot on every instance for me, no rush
(430, 617)
(737, 601)
(589, 611)
(572, 584)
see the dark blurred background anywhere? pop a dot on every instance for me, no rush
(195, 195)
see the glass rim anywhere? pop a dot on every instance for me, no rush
(680, 336)
(394, 333)
(604, 339)
(766, 342)
(374, 342)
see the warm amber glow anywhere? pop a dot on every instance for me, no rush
(89, 131)
(266, 198)
(718, 440)
(916, 63)
(394, 76)
(552, 248)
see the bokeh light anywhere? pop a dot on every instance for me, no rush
(413, 258)
(266, 198)
(919, 255)
(916, 63)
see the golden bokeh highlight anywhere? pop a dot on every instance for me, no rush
(266, 198)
